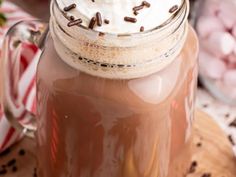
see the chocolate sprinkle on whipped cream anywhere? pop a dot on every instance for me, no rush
(130, 19)
(72, 18)
(136, 8)
(145, 3)
(136, 13)
(125, 17)
(99, 19)
(174, 8)
(75, 22)
(92, 22)
(106, 21)
(70, 7)
(140, 7)
(142, 29)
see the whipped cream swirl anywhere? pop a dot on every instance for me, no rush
(116, 10)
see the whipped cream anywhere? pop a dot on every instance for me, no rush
(116, 10)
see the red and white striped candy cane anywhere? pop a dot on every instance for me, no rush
(26, 88)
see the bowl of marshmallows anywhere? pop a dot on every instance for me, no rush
(216, 28)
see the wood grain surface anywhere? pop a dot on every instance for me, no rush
(212, 152)
(215, 156)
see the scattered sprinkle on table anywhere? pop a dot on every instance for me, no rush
(206, 175)
(193, 167)
(11, 162)
(22, 152)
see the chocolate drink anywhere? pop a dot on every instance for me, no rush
(105, 120)
(91, 126)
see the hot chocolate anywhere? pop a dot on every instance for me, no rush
(116, 106)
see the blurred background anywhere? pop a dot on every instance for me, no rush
(37, 8)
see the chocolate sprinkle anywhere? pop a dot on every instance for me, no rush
(231, 140)
(106, 21)
(130, 19)
(199, 144)
(35, 172)
(3, 172)
(22, 152)
(205, 105)
(72, 18)
(92, 23)
(193, 167)
(11, 162)
(137, 8)
(75, 22)
(206, 175)
(227, 115)
(147, 4)
(141, 28)
(233, 124)
(14, 169)
(136, 13)
(6, 152)
(70, 7)
(99, 19)
(173, 9)
(101, 34)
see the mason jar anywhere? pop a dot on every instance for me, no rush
(114, 105)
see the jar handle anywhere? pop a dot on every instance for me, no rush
(25, 32)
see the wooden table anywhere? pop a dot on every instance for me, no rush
(213, 156)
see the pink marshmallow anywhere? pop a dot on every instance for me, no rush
(211, 8)
(208, 24)
(220, 44)
(230, 78)
(211, 66)
(231, 58)
(234, 51)
(227, 13)
(228, 90)
(226, 20)
(231, 66)
(227, 6)
(234, 30)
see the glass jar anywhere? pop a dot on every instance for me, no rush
(116, 105)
